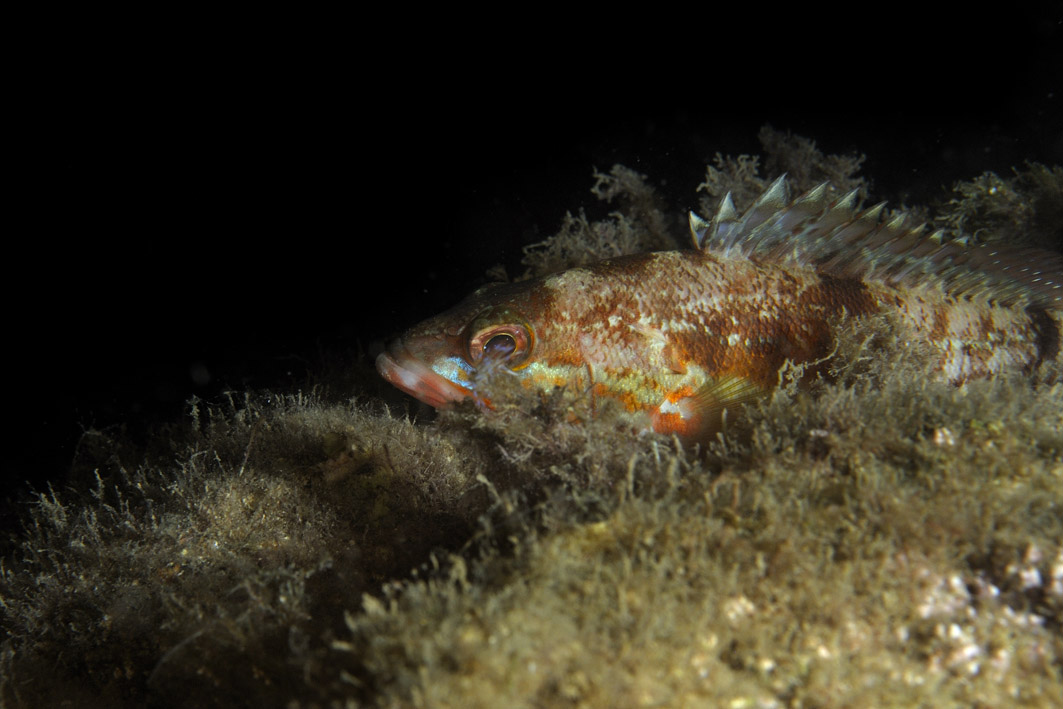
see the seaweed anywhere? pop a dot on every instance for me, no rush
(1025, 208)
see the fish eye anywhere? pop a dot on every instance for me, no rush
(508, 343)
(501, 345)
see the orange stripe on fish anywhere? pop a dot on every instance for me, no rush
(680, 337)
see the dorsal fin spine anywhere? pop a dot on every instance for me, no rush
(726, 211)
(834, 237)
(699, 229)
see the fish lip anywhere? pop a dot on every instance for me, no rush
(409, 374)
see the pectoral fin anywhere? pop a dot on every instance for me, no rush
(695, 415)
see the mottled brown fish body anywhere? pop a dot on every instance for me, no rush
(679, 337)
(671, 310)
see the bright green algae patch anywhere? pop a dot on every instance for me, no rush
(880, 540)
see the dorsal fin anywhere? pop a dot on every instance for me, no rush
(698, 229)
(841, 240)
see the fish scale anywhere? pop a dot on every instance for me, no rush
(679, 337)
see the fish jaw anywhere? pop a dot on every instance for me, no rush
(420, 380)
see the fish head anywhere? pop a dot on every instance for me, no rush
(441, 360)
(601, 335)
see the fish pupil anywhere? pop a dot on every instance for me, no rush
(501, 346)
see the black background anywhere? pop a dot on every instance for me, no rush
(197, 211)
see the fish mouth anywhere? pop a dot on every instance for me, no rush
(404, 371)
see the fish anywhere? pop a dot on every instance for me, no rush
(677, 341)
